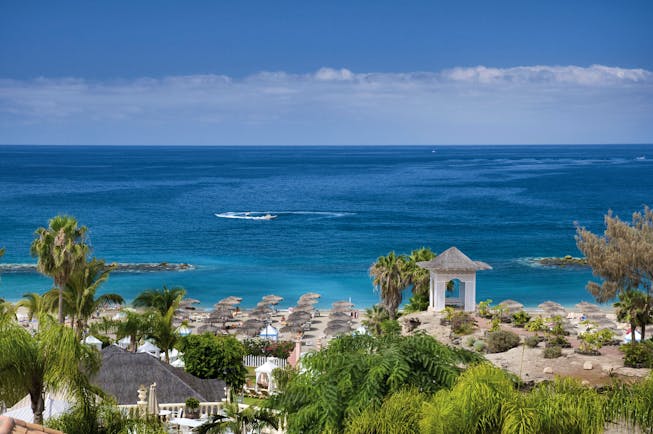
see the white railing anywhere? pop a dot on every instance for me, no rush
(256, 361)
(177, 409)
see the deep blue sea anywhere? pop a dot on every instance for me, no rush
(338, 209)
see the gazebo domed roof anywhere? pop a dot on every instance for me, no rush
(453, 259)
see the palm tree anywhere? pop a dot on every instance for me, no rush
(162, 330)
(160, 299)
(53, 359)
(374, 317)
(79, 294)
(634, 307)
(60, 249)
(416, 275)
(239, 421)
(389, 279)
(135, 325)
(36, 304)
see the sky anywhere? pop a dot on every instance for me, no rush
(326, 72)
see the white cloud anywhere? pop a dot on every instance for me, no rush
(529, 104)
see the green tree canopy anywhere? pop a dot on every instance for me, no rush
(209, 356)
(622, 257)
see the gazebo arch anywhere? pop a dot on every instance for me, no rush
(449, 265)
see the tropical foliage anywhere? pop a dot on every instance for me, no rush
(53, 359)
(240, 421)
(485, 399)
(355, 372)
(636, 308)
(390, 279)
(160, 299)
(103, 417)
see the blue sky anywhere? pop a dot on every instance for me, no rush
(308, 72)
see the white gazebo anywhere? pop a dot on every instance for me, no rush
(269, 332)
(264, 374)
(447, 266)
(150, 348)
(93, 342)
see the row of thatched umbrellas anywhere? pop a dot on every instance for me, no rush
(339, 319)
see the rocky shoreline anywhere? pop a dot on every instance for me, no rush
(565, 261)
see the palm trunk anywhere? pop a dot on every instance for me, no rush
(38, 406)
(632, 333)
(60, 286)
(643, 331)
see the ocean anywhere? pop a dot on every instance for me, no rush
(337, 208)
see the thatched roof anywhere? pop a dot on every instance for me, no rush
(122, 373)
(453, 259)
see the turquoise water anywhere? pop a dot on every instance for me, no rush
(338, 209)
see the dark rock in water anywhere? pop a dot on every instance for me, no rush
(144, 267)
(565, 261)
(117, 268)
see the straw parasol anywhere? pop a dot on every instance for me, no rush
(586, 307)
(253, 322)
(553, 308)
(231, 300)
(272, 299)
(339, 315)
(337, 322)
(300, 314)
(291, 328)
(511, 306)
(342, 303)
(341, 309)
(249, 331)
(337, 330)
(310, 295)
(303, 308)
(308, 302)
(207, 328)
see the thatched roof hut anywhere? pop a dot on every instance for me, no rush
(122, 373)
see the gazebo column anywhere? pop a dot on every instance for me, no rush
(440, 294)
(470, 295)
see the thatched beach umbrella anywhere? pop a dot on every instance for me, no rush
(310, 295)
(337, 330)
(340, 315)
(300, 314)
(231, 300)
(207, 328)
(552, 308)
(272, 299)
(511, 306)
(341, 309)
(308, 302)
(291, 328)
(249, 331)
(253, 322)
(342, 303)
(586, 307)
(337, 323)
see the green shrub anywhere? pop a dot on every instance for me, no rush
(417, 303)
(448, 315)
(462, 323)
(500, 341)
(520, 319)
(484, 309)
(495, 324)
(192, 403)
(390, 327)
(638, 355)
(470, 341)
(557, 341)
(592, 341)
(536, 325)
(552, 352)
(479, 346)
(531, 341)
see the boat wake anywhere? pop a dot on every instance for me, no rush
(271, 215)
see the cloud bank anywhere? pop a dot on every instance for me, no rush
(465, 105)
